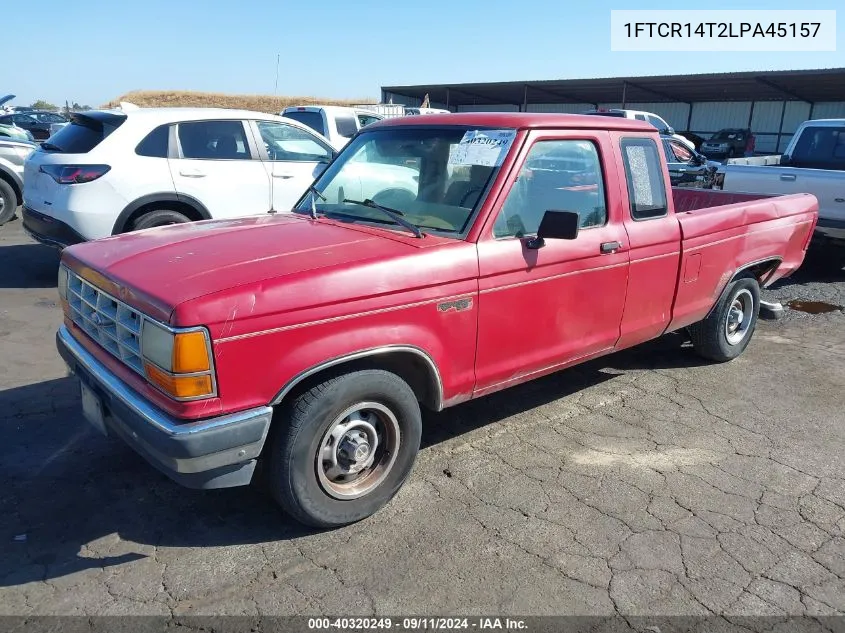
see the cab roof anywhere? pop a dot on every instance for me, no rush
(519, 120)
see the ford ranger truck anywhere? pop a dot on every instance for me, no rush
(299, 348)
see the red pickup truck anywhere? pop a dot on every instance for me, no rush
(500, 247)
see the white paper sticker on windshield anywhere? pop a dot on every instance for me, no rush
(482, 147)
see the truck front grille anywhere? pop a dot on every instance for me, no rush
(112, 323)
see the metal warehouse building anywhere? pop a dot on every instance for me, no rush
(771, 103)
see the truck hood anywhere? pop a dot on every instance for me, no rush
(158, 269)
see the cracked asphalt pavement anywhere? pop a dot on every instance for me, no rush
(645, 483)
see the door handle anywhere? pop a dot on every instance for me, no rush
(787, 176)
(839, 199)
(191, 173)
(610, 247)
(284, 175)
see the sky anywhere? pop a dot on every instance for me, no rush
(95, 51)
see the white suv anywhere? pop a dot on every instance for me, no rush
(114, 171)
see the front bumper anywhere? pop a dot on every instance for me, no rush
(219, 452)
(49, 231)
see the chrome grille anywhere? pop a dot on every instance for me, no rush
(112, 323)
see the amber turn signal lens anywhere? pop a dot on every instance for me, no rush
(179, 386)
(190, 353)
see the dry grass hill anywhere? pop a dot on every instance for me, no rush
(258, 103)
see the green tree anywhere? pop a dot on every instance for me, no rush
(44, 105)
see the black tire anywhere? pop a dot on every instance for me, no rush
(294, 473)
(158, 217)
(8, 202)
(713, 338)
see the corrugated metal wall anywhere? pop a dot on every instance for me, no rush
(704, 119)
(504, 107)
(562, 108)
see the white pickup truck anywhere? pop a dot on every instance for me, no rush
(814, 162)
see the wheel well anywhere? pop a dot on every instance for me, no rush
(760, 270)
(18, 193)
(175, 205)
(409, 366)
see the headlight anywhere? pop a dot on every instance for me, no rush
(178, 362)
(62, 282)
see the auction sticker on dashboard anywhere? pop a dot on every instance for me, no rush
(486, 148)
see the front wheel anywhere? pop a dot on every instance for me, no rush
(726, 332)
(8, 202)
(158, 217)
(346, 447)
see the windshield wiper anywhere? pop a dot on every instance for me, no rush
(315, 194)
(51, 147)
(393, 214)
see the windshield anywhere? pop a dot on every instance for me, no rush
(435, 178)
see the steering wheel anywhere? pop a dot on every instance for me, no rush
(394, 197)
(468, 193)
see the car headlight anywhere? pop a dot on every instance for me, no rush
(62, 282)
(178, 362)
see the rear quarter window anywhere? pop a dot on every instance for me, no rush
(83, 134)
(155, 144)
(644, 174)
(346, 125)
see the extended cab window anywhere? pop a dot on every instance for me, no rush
(560, 175)
(644, 174)
(820, 147)
(214, 140)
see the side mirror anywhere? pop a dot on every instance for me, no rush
(556, 225)
(786, 159)
(670, 131)
(698, 159)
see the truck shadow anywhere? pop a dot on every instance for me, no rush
(28, 266)
(73, 500)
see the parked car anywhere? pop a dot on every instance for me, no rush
(336, 123)
(111, 172)
(15, 133)
(688, 168)
(729, 143)
(409, 111)
(309, 341)
(3, 101)
(36, 122)
(814, 162)
(693, 138)
(648, 117)
(13, 153)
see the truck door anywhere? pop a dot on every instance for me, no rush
(541, 309)
(653, 237)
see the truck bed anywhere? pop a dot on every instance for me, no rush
(723, 231)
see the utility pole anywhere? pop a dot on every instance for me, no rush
(276, 86)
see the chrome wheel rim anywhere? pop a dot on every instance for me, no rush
(358, 450)
(738, 319)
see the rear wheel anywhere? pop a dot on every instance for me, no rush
(158, 217)
(346, 447)
(726, 332)
(8, 202)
